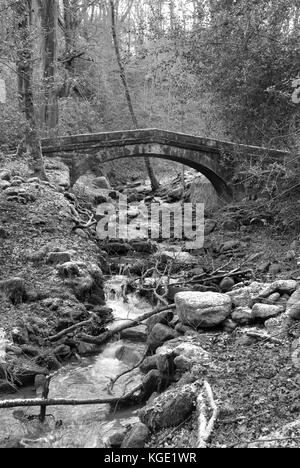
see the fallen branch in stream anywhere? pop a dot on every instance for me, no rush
(124, 326)
(206, 428)
(71, 329)
(110, 386)
(64, 402)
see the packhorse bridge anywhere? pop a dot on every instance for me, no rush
(203, 154)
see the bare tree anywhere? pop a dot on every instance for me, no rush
(24, 13)
(49, 19)
(69, 24)
(154, 182)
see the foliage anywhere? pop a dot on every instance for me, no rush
(221, 69)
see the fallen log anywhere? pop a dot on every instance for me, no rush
(71, 329)
(6, 404)
(124, 326)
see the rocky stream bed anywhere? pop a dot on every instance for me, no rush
(233, 322)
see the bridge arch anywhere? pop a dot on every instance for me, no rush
(203, 162)
(202, 154)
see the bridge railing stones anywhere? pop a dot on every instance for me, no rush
(136, 137)
(202, 154)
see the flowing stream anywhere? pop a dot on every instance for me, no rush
(83, 426)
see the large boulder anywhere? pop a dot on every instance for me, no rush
(203, 310)
(170, 408)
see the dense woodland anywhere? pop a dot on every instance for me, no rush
(152, 343)
(222, 69)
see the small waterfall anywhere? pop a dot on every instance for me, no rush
(84, 426)
(133, 307)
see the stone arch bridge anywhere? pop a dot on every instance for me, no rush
(83, 152)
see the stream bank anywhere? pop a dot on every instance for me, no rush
(58, 283)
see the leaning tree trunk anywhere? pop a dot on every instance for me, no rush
(154, 182)
(25, 71)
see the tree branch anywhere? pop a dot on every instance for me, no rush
(130, 324)
(64, 402)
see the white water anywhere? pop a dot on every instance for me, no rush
(84, 426)
(132, 309)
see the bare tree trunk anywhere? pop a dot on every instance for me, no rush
(24, 66)
(172, 13)
(49, 19)
(154, 182)
(71, 23)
